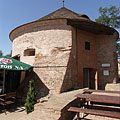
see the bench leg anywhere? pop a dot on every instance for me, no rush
(78, 116)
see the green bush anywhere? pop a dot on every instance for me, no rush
(31, 98)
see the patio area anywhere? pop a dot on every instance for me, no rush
(52, 109)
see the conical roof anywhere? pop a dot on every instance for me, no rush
(63, 13)
(80, 21)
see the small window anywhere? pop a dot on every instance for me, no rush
(87, 45)
(29, 52)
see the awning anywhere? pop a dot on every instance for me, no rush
(13, 64)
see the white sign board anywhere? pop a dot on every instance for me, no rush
(106, 72)
(106, 65)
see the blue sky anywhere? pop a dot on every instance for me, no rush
(14, 13)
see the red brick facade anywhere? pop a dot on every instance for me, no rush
(85, 58)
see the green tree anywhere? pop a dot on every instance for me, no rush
(1, 53)
(31, 97)
(110, 17)
(118, 48)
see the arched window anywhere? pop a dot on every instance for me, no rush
(29, 52)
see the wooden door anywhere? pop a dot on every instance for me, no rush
(86, 77)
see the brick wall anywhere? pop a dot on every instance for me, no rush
(102, 51)
(54, 60)
(106, 53)
(85, 58)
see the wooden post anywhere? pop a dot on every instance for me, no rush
(22, 77)
(4, 81)
(96, 80)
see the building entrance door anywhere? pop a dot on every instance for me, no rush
(86, 77)
(90, 78)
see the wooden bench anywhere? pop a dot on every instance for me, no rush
(94, 112)
(103, 105)
(107, 108)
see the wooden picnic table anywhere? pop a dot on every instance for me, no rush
(7, 99)
(101, 108)
(2, 95)
(100, 98)
(89, 91)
